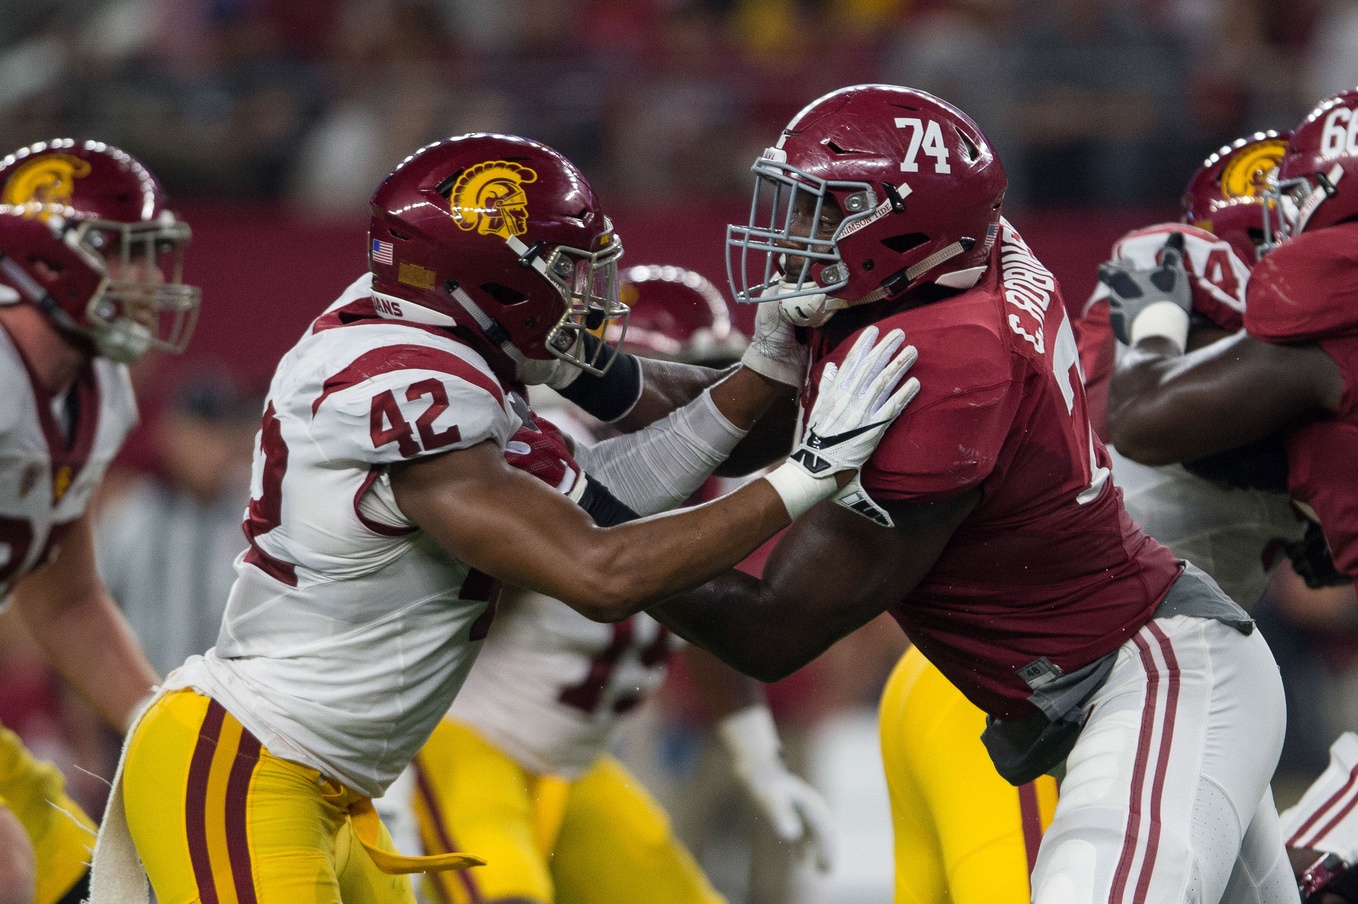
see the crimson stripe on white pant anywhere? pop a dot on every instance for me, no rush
(1152, 759)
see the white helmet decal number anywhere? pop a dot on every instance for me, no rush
(924, 134)
(1339, 136)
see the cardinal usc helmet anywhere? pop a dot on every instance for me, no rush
(1225, 195)
(505, 236)
(41, 265)
(107, 202)
(1316, 184)
(917, 184)
(677, 314)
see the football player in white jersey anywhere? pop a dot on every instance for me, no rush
(519, 770)
(385, 515)
(89, 281)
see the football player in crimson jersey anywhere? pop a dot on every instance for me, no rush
(89, 280)
(519, 770)
(1292, 368)
(949, 806)
(985, 522)
(385, 517)
(1222, 530)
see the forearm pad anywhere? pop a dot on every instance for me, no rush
(658, 467)
(611, 396)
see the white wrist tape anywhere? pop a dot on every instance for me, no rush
(1163, 319)
(798, 489)
(750, 737)
(656, 468)
(773, 368)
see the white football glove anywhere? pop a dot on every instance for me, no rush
(856, 499)
(796, 812)
(854, 406)
(774, 351)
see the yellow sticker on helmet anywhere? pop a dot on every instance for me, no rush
(44, 182)
(489, 198)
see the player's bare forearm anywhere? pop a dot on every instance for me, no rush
(724, 690)
(667, 385)
(769, 440)
(83, 632)
(513, 527)
(832, 572)
(1165, 408)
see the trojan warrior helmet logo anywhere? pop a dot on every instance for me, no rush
(44, 182)
(1244, 176)
(489, 198)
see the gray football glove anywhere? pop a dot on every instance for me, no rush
(1132, 291)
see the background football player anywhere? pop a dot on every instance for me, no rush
(1291, 368)
(386, 515)
(89, 281)
(987, 525)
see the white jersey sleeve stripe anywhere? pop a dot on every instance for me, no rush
(405, 357)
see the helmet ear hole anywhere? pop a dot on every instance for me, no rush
(903, 243)
(972, 151)
(504, 295)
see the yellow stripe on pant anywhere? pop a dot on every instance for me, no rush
(218, 819)
(61, 833)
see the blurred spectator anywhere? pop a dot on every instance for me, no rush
(1088, 100)
(962, 52)
(1332, 64)
(166, 546)
(1099, 95)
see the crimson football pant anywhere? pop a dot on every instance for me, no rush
(1166, 795)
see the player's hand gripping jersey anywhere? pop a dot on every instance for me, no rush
(1219, 278)
(346, 621)
(1221, 530)
(1306, 290)
(1003, 409)
(48, 475)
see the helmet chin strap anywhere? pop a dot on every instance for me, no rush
(816, 309)
(493, 331)
(1319, 193)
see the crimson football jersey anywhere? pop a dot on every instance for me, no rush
(1048, 573)
(1307, 290)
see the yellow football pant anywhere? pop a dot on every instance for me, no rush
(217, 818)
(61, 833)
(600, 839)
(962, 834)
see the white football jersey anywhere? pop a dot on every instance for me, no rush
(1219, 275)
(349, 631)
(46, 477)
(551, 686)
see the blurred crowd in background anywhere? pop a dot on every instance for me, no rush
(309, 103)
(313, 101)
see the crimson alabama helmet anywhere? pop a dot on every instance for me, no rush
(505, 236)
(1316, 184)
(1225, 194)
(106, 201)
(917, 183)
(677, 314)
